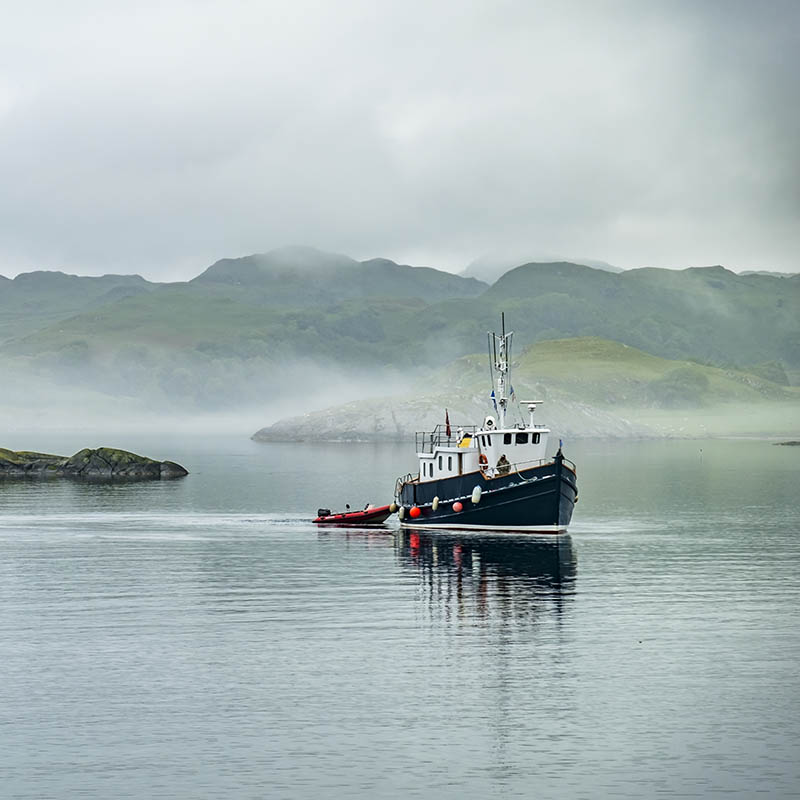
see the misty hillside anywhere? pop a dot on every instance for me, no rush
(591, 387)
(219, 340)
(285, 278)
(707, 313)
(304, 276)
(490, 267)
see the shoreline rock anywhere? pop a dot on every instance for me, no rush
(103, 462)
(397, 420)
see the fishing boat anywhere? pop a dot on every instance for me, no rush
(371, 515)
(492, 476)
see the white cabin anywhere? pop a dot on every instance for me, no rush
(496, 451)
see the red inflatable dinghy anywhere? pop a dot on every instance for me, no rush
(372, 515)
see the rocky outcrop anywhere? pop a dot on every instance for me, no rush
(104, 462)
(392, 419)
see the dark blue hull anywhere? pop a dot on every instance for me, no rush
(537, 499)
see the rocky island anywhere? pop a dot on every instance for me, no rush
(104, 462)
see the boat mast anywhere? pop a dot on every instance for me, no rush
(500, 355)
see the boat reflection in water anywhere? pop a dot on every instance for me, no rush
(479, 576)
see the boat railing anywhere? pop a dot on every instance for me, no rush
(403, 480)
(570, 465)
(493, 471)
(426, 441)
(521, 466)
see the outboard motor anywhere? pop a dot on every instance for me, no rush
(323, 512)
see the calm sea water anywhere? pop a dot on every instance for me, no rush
(201, 638)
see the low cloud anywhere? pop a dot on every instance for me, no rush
(160, 137)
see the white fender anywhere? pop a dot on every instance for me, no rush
(435, 503)
(476, 495)
(401, 512)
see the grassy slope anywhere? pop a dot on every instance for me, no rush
(611, 373)
(608, 373)
(24, 456)
(668, 397)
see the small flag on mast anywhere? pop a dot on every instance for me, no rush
(447, 422)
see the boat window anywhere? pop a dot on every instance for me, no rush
(440, 462)
(535, 438)
(449, 462)
(506, 438)
(522, 438)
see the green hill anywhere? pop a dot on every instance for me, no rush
(36, 299)
(492, 266)
(707, 314)
(611, 374)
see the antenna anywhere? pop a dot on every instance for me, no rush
(499, 356)
(491, 360)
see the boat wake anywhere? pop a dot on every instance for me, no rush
(148, 523)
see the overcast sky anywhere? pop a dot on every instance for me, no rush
(157, 137)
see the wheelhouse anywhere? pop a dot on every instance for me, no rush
(492, 450)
